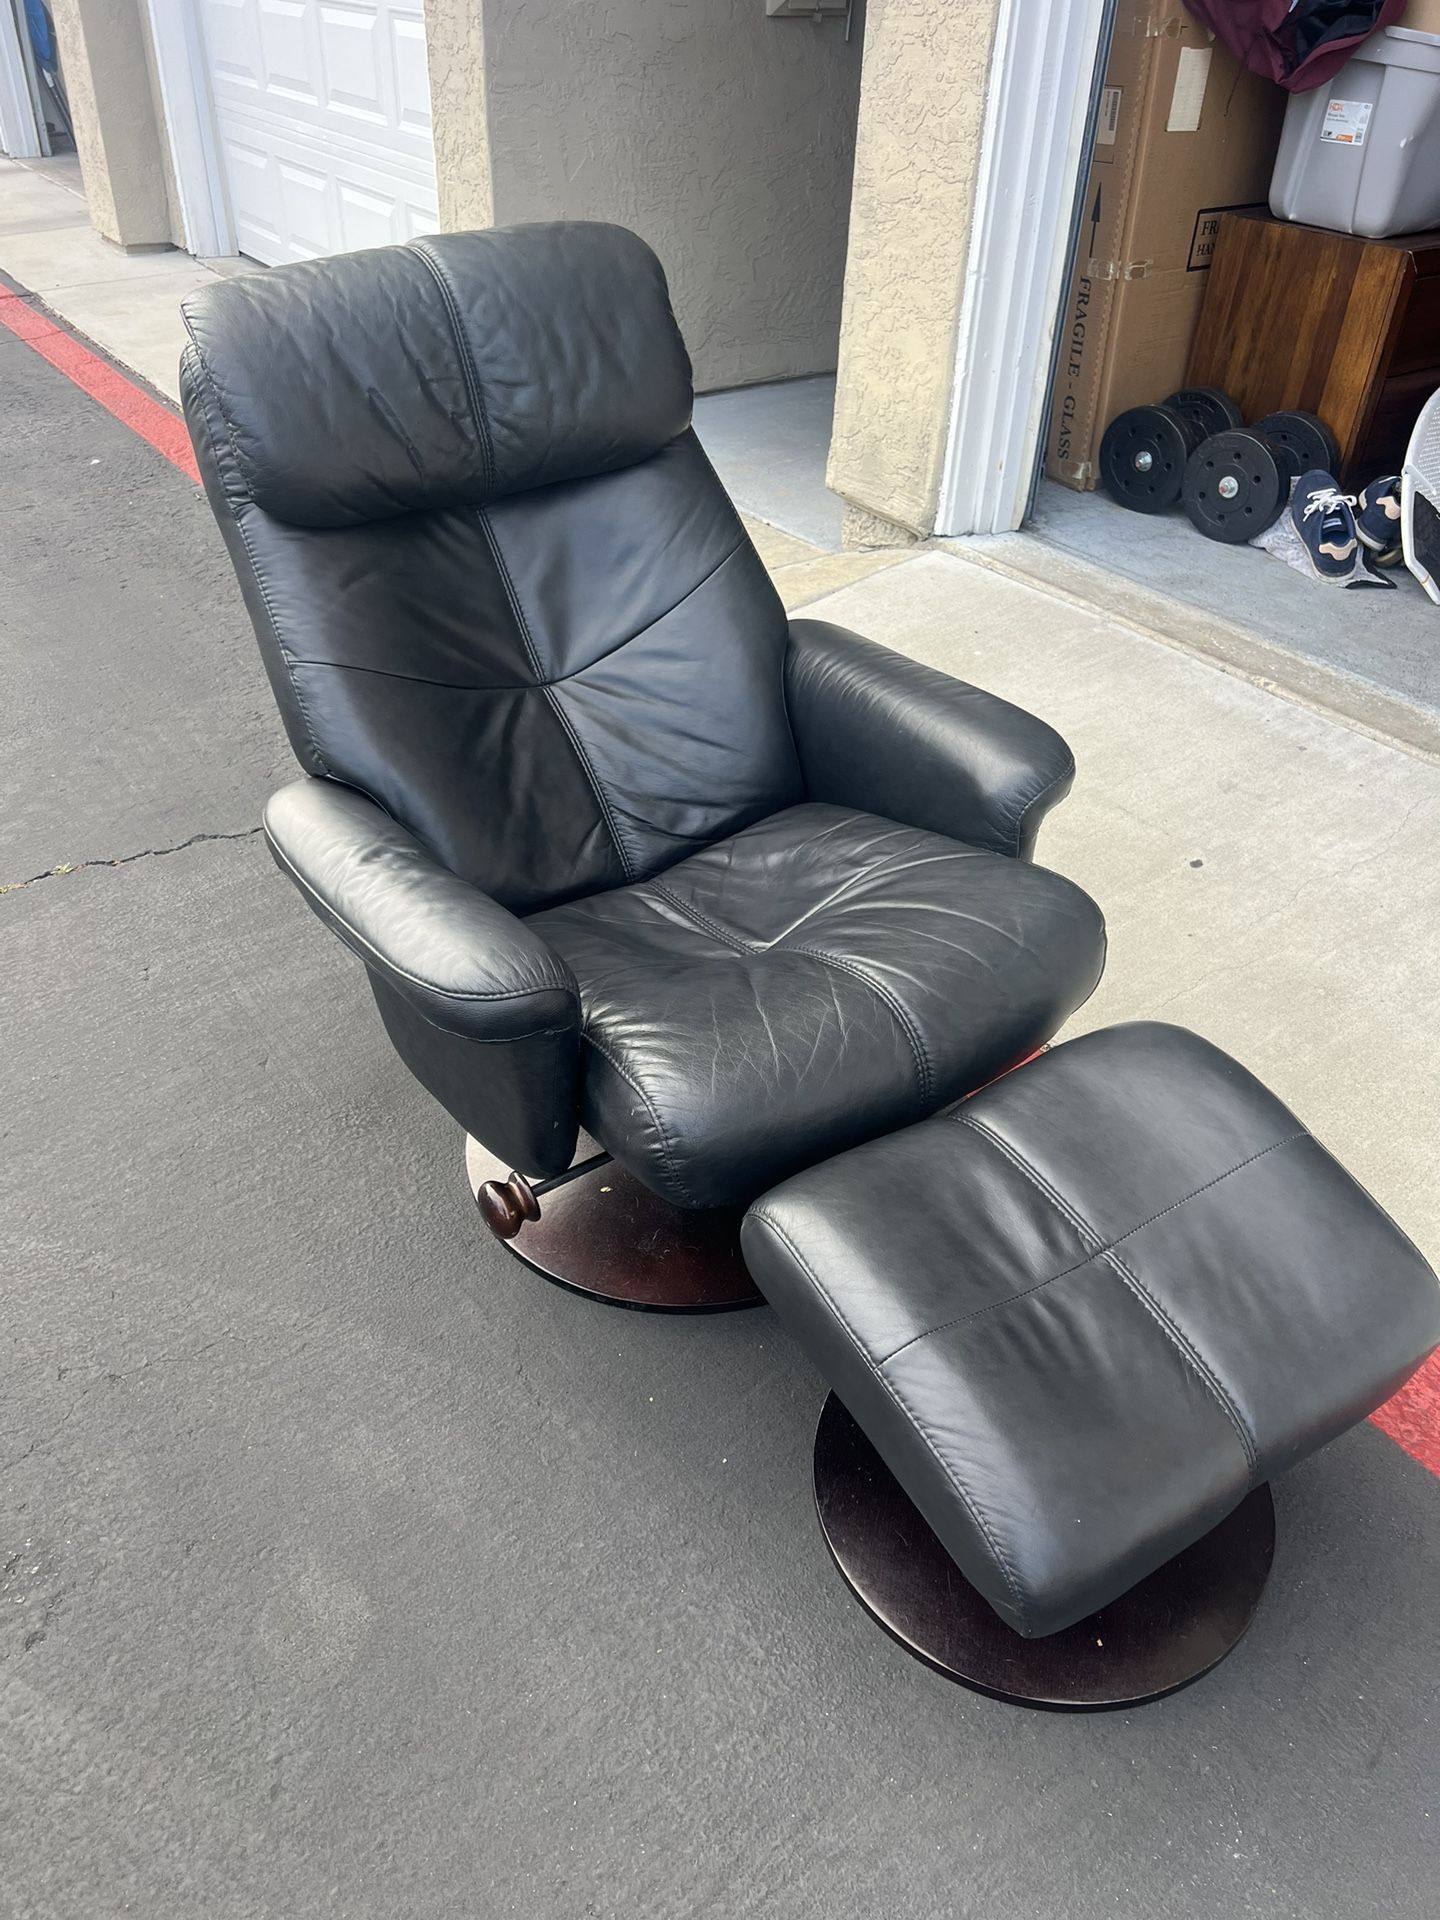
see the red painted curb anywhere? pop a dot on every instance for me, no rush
(106, 385)
(1412, 1417)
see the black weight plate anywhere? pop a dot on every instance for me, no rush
(1209, 408)
(1308, 438)
(1286, 458)
(1235, 484)
(1142, 458)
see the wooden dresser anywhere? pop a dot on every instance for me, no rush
(1342, 327)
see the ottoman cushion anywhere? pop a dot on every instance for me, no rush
(1083, 1313)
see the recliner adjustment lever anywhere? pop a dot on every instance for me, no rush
(506, 1205)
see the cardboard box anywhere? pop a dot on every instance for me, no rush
(1184, 135)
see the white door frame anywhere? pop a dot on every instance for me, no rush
(1038, 113)
(190, 127)
(19, 128)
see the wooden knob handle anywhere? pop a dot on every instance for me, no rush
(506, 1206)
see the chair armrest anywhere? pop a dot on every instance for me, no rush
(882, 733)
(465, 962)
(485, 1014)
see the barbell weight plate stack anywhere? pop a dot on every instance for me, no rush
(1143, 455)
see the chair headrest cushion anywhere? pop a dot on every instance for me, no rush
(449, 371)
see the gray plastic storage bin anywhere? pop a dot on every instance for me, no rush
(1362, 155)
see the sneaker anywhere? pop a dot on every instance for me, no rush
(1325, 520)
(1377, 520)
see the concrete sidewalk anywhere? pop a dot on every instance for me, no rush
(128, 303)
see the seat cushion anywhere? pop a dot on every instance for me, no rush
(807, 983)
(1084, 1313)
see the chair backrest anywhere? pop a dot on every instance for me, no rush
(495, 581)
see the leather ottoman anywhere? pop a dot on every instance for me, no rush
(1084, 1313)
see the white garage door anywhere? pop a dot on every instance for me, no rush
(323, 114)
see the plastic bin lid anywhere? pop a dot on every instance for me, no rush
(1402, 47)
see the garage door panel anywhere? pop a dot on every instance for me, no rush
(352, 60)
(412, 77)
(323, 110)
(306, 194)
(295, 200)
(369, 219)
(253, 191)
(233, 46)
(287, 56)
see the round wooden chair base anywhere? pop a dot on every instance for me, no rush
(1167, 1631)
(608, 1236)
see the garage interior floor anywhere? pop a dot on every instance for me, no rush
(347, 1569)
(769, 445)
(1388, 640)
(1377, 648)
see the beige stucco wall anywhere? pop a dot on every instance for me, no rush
(455, 51)
(174, 220)
(104, 49)
(722, 136)
(917, 149)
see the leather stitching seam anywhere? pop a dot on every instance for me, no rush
(627, 865)
(1129, 1279)
(701, 920)
(640, 632)
(977, 1313)
(879, 870)
(667, 1151)
(467, 359)
(602, 799)
(1190, 1352)
(897, 1008)
(923, 1069)
(967, 1498)
(857, 879)
(769, 946)
(517, 612)
(517, 686)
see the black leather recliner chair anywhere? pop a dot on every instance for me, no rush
(621, 847)
(618, 846)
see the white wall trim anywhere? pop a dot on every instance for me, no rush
(19, 131)
(190, 127)
(1037, 112)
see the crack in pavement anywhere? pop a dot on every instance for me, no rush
(146, 853)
